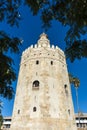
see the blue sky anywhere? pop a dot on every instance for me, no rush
(30, 30)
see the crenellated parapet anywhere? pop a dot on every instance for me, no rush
(43, 49)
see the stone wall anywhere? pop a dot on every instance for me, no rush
(43, 97)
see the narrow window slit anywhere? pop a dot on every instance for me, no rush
(51, 62)
(18, 111)
(34, 109)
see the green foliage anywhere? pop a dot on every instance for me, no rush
(9, 10)
(36, 5)
(74, 80)
(76, 50)
(7, 72)
(1, 121)
(70, 13)
(1, 117)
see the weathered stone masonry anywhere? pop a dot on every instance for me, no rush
(43, 98)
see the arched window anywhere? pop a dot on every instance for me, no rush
(36, 84)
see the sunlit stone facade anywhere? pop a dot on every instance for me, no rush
(43, 97)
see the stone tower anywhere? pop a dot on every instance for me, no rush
(43, 97)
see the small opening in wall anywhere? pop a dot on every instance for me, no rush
(51, 62)
(65, 86)
(37, 62)
(18, 111)
(34, 109)
(69, 111)
(66, 89)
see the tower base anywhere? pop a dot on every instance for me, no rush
(45, 124)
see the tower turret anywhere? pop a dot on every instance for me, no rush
(43, 97)
(43, 41)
